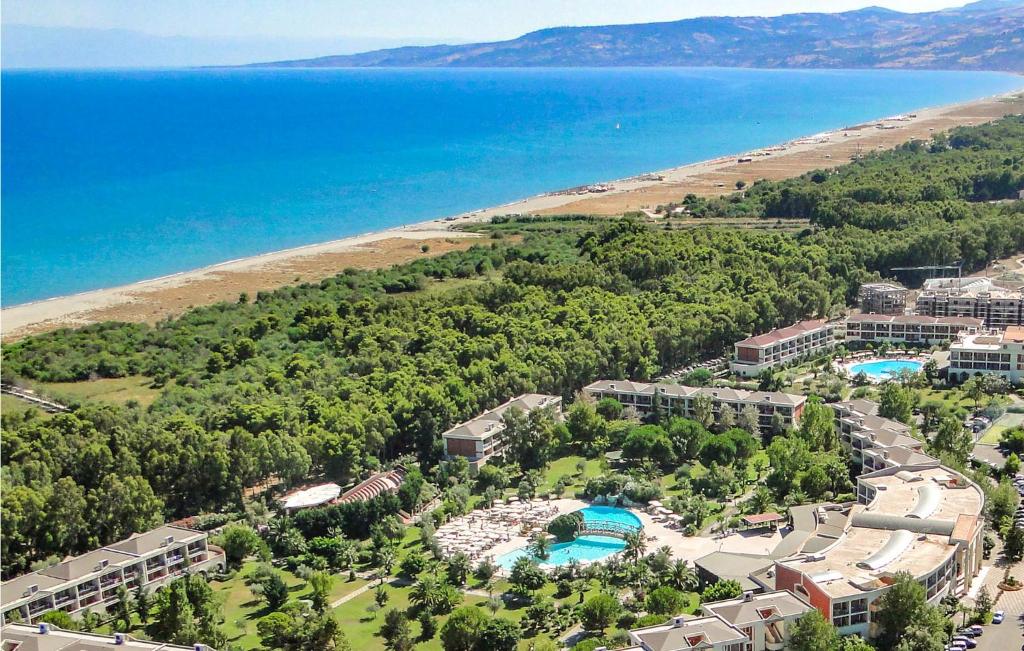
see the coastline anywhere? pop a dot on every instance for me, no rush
(157, 298)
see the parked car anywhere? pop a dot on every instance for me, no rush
(968, 642)
(997, 617)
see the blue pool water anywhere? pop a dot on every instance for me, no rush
(884, 369)
(611, 514)
(115, 176)
(585, 548)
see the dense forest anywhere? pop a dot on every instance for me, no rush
(336, 378)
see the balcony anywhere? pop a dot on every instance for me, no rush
(38, 608)
(63, 599)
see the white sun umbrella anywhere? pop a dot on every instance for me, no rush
(654, 503)
(513, 498)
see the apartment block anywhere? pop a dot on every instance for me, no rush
(484, 436)
(755, 354)
(45, 637)
(92, 579)
(874, 442)
(978, 298)
(882, 298)
(908, 329)
(678, 399)
(991, 353)
(752, 622)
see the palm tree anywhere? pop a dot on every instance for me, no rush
(426, 593)
(636, 546)
(681, 576)
(761, 501)
(540, 547)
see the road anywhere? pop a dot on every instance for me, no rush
(1009, 635)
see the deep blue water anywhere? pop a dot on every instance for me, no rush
(111, 177)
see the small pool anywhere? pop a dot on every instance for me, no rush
(584, 549)
(883, 369)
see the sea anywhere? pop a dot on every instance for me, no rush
(110, 177)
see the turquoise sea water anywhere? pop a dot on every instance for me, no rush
(115, 176)
(584, 548)
(885, 369)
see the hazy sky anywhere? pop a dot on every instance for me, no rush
(458, 19)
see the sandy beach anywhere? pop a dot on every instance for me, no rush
(152, 300)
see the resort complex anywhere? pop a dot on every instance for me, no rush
(91, 581)
(755, 354)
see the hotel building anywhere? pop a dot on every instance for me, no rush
(882, 298)
(925, 520)
(874, 442)
(753, 622)
(908, 329)
(45, 637)
(994, 353)
(755, 354)
(484, 436)
(972, 297)
(92, 579)
(678, 399)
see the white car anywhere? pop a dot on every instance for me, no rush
(997, 617)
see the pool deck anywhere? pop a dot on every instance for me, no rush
(658, 535)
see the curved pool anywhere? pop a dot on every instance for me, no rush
(587, 548)
(884, 369)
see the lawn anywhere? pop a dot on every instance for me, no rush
(566, 467)
(117, 390)
(1007, 421)
(242, 610)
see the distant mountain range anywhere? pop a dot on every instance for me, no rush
(986, 35)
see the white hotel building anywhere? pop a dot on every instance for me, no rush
(992, 353)
(755, 354)
(90, 581)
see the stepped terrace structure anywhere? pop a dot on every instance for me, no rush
(91, 580)
(882, 298)
(908, 329)
(978, 298)
(484, 436)
(875, 442)
(749, 623)
(44, 637)
(923, 519)
(755, 354)
(786, 408)
(992, 353)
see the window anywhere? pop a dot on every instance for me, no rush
(840, 622)
(860, 618)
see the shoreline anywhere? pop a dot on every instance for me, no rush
(153, 299)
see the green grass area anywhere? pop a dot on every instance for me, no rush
(567, 467)
(117, 390)
(1007, 421)
(12, 405)
(242, 610)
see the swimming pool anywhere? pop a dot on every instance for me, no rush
(585, 548)
(883, 369)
